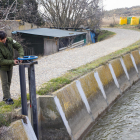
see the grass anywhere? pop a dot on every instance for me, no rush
(104, 34)
(53, 85)
(7, 111)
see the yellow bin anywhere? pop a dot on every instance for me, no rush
(134, 21)
(123, 20)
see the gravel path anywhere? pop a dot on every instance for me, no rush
(59, 63)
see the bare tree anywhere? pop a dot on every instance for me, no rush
(12, 10)
(4, 13)
(24, 10)
(71, 13)
(94, 15)
(31, 13)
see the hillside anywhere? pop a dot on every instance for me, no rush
(124, 12)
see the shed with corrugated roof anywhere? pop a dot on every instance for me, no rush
(46, 41)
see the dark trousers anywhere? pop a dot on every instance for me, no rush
(6, 77)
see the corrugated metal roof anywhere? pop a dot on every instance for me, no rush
(50, 32)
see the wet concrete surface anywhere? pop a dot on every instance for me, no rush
(55, 134)
(122, 121)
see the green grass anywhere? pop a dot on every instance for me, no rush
(104, 34)
(4, 121)
(7, 111)
(53, 85)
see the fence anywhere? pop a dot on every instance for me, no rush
(27, 51)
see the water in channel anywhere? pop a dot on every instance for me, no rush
(122, 121)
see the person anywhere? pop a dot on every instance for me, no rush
(7, 45)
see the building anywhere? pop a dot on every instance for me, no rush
(46, 41)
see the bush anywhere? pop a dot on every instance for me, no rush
(138, 26)
(112, 25)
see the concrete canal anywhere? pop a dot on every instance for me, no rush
(71, 110)
(122, 121)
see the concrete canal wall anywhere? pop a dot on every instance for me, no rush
(19, 130)
(78, 105)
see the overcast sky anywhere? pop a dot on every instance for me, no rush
(114, 4)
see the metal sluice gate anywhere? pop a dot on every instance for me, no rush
(28, 62)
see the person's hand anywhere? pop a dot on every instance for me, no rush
(16, 61)
(20, 61)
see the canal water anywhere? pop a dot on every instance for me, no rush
(122, 121)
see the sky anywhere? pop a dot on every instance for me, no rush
(114, 4)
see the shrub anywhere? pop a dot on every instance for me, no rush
(138, 26)
(112, 25)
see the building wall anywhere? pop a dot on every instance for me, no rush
(88, 37)
(50, 46)
(43, 45)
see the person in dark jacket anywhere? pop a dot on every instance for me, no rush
(6, 63)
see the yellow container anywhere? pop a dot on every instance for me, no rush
(134, 21)
(123, 20)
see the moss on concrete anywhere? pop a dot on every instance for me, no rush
(128, 62)
(117, 67)
(136, 56)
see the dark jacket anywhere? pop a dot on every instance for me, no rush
(6, 53)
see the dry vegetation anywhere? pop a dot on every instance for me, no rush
(113, 16)
(106, 21)
(124, 12)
